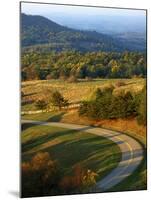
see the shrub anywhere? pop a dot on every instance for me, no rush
(81, 180)
(40, 176)
(108, 88)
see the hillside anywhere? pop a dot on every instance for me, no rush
(42, 34)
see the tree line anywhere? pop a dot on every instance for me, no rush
(106, 105)
(67, 64)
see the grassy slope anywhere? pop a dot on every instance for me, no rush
(136, 181)
(79, 91)
(74, 92)
(124, 125)
(70, 147)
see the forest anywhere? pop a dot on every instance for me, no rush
(64, 65)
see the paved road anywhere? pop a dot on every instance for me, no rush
(132, 152)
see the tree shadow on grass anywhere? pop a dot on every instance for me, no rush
(25, 102)
(74, 150)
(29, 94)
(88, 152)
(45, 138)
(25, 126)
(56, 117)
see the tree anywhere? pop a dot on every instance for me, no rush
(106, 105)
(40, 176)
(142, 107)
(80, 65)
(122, 106)
(58, 100)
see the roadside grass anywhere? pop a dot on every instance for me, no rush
(71, 147)
(74, 92)
(47, 116)
(136, 181)
(128, 125)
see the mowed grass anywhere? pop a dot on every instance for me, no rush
(70, 147)
(46, 116)
(136, 181)
(129, 125)
(74, 92)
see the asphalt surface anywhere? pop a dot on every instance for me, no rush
(132, 151)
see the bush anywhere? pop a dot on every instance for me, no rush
(81, 180)
(108, 88)
(40, 176)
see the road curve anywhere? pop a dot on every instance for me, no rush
(132, 151)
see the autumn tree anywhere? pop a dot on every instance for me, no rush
(58, 100)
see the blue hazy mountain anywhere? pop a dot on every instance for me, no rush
(104, 34)
(105, 24)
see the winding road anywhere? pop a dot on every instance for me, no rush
(132, 151)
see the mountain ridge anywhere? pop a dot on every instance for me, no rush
(38, 30)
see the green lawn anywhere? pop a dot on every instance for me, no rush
(46, 116)
(70, 147)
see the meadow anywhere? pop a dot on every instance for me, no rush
(74, 92)
(91, 152)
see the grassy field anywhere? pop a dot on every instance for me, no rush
(70, 148)
(124, 125)
(137, 180)
(74, 92)
(62, 143)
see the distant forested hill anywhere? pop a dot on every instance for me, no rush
(41, 34)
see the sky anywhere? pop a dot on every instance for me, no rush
(48, 9)
(81, 17)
